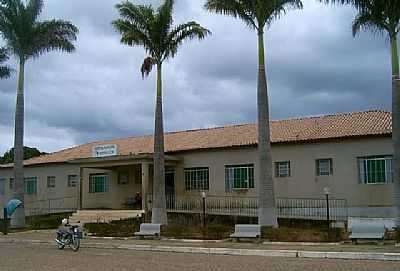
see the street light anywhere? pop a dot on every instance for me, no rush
(203, 196)
(327, 192)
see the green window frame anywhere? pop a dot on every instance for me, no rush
(51, 181)
(376, 169)
(98, 183)
(72, 180)
(197, 179)
(239, 177)
(282, 169)
(30, 184)
(2, 186)
(324, 167)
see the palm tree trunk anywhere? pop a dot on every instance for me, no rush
(266, 197)
(159, 210)
(396, 126)
(18, 219)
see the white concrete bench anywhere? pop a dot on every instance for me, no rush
(148, 229)
(367, 231)
(246, 231)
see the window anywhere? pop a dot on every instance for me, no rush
(11, 183)
(51, 181)
(123, 178)
(30, 185)
(282, 169)
(376, 169)
(239, 177)
(2, 186)
(197, 178)
(72, 180)
(324, 167)
(98, 183)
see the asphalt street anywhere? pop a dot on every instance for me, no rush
(46, 258)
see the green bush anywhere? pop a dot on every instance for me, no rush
(285, 234)
(44, 222)
(119, 228)
(210, 232)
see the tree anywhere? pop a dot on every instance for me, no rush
(383, 16)
(5, 71)
(29, 153)
(259, 14)
(142, 25)
(26, 37)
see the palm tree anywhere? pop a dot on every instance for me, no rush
(142, 25)
(27, 37)
(5, 71)
(258, 14)
(383, 16)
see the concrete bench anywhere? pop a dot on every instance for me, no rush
(246, 231)
(148, 229)
(367, 231)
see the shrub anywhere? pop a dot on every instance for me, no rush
(118, 228)
(44, 222)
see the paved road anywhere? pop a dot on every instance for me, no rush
(46, 258)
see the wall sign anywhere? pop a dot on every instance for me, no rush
(105, 150)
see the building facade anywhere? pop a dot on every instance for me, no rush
(351, 154)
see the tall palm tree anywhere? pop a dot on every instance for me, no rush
(27, 37)
(259, 14)
(383, 16)
(5, 71)
(153, 29)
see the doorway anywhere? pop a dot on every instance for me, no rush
(170, 188)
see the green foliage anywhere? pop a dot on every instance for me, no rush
(26, 37)
(5, 71)
(142, 25)
(29, 153)
(255, 13)
(210, 232)
(284, 234)
(121, 228)
(43, 222)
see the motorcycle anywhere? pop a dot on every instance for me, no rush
(70, 237)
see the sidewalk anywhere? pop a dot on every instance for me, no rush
(226, 247)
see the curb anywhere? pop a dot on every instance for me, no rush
(231, 252)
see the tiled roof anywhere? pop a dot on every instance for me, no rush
(345, 125)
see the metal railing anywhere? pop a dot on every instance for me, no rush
(51, 206)
(293, 208)
(312, 208)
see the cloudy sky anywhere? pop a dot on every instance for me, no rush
(314, 67)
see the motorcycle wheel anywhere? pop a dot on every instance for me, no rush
(60, 246)
(76, 243)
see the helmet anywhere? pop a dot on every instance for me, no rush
(64, 221)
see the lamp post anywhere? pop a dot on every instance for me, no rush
(327, 192)
(203, 196)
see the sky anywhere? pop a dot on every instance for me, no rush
(314, 67)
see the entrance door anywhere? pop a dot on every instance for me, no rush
(170, 188)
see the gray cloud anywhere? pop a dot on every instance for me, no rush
(314, 66)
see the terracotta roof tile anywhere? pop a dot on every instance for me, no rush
(370, 123)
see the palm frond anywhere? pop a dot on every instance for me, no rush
(183, 32)
(366, 21)
(147, 66)
(53, 35)
(255, 13)
(138, 15)
(34, 8)
(5, 71)
(243, 9)
(26, 37)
